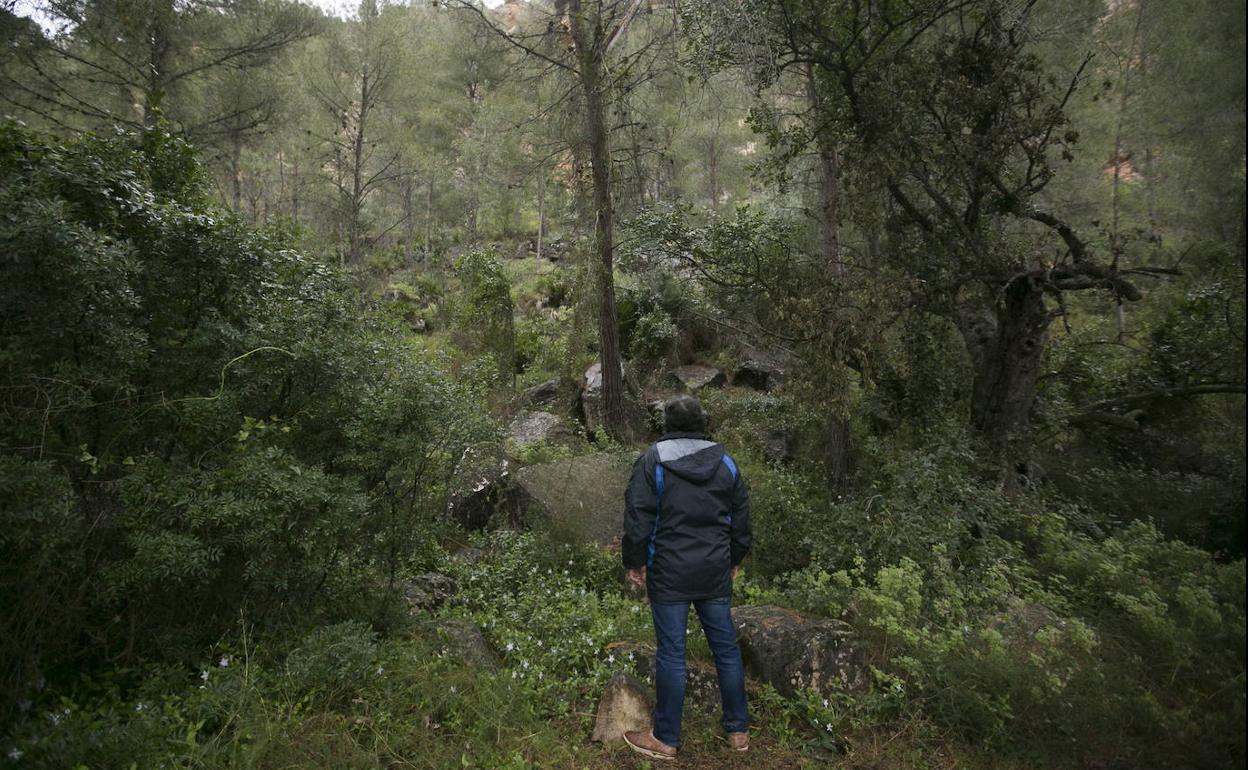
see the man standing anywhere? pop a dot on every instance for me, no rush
(686, 530)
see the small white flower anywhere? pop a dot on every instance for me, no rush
(828, 726)
(381, 670)
(514, 674)
(140, 706)
(825, 703)
(454, 689)
(224, 662)
(204, 675)
(15, 753)
(510, 647)
(611, 658)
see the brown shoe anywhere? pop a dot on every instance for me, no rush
(739, 741)
(644, 742)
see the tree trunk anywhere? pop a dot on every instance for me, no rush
(409, 221)
(588, 51)
(236, 172)
(1007, 352)
(541, 214)
(358, 149)
(428, 221)
(837, 439)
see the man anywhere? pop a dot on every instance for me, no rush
(686, 530)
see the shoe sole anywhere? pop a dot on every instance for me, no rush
(649, 752)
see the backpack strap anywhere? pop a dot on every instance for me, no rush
(732, 468)
(658, 501)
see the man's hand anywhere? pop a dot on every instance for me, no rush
(637, 576)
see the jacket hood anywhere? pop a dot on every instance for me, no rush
(690, 456)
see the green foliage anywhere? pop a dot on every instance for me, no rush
(551, 610)
(191, 452)
(331, 661)
(483, 310)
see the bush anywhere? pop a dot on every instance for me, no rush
(180, 449)
(483, 310)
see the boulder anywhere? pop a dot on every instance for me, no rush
(428, 591)
(701, 680)
(759, 371)
(779, 445)
(1021, 623)
(543, 394)
(793, 653)
(591, 401)
(695, 377)
(482, 488)
(581, 498)
(539, 427)
(625, 705)
(461, 639)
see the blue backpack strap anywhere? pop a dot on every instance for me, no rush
(658, 488)
(732, 468)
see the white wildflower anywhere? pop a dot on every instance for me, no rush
(204, 675)
(381, 670)
(15, 753)
(611, 658)
(224, 662)
(828, 726)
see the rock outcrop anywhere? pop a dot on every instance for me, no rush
(694, 377)
(779, 445)
(482, 488)
(792, 652)
(625, 705)
(428, 591)
(532, 427)
(590, 404)
(460, 639)
(581, 498)
(759, 371)
(701, 680)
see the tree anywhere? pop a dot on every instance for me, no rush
(590, 30)
(952, 123)
(360, 66)
(124, 61)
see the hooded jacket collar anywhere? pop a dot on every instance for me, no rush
(689, 455)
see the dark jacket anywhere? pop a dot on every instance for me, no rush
(697, 529)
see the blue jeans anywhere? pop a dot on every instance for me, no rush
(670, 626)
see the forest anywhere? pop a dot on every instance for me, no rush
(329, 335)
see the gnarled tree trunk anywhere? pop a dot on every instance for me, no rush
(1006, 347)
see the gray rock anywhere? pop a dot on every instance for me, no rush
(701, 680)
(537, 427)
(794, 653)
(591, 401)
(542, 394)
(581, 498)
(429, 591)
(695, 377)
(779, 445)
(625, 705)
(759, 371)
(1022, 621)
(462, 640)
(482, 488)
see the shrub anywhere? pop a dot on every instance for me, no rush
(180, 448)
(483, 310)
